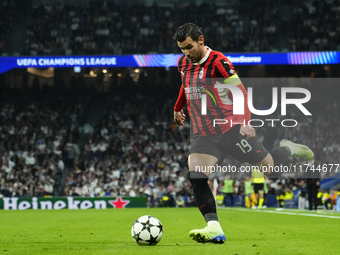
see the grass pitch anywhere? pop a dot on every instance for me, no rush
(109, 232)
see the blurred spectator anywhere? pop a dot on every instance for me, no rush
(48, 189)
(331, 199)
(180, 202)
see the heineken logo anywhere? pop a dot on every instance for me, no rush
(14, 203)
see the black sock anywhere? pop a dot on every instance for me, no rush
(204, 197)
(280, 155)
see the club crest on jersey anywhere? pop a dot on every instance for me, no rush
(200, 75)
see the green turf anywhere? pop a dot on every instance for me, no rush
(109, 232)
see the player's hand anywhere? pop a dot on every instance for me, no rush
(179, 118)
(249, 131)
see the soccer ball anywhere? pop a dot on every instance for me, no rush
(147, 230)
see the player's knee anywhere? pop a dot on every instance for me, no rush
(266, 164)
(268, 161)
(197, 178)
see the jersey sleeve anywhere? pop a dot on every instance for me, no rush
(181, 100)
(225, 70)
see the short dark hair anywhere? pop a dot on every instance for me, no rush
(186, 30)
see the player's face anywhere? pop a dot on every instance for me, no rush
(192, 49)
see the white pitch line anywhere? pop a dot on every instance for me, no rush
(290, 213)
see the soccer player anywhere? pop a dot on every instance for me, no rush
(248, 190)
(228, 190)
(211, 143)
(258, 179)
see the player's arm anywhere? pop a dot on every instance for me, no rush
(179, 116)
(225, 69)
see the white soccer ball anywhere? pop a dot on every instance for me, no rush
(147, 230)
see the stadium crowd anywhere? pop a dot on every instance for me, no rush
(101, 27)
(6, 19)
(315, 26)
(134, 149)
(38, 138)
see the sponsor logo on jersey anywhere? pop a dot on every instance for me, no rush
(200, 75)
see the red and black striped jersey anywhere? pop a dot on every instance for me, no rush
(200, 78)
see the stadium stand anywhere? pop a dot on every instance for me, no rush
(315, 26)
(39, 135)
(6, 20)
(132, 148)
(100, 28)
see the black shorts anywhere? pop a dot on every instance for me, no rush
(232, 143)
(258, 187)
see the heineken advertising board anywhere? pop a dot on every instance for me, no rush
(82, 203)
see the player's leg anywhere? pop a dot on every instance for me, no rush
(256, 192)
(247, 201)
(257, 198)
(264, 200)
(224, 199)
(261, 198)
(314, 202)
(253, 151)
(231, 195)
(199, 166)
(315, 196)
(253, 200)
(279, 156)
(327, 201)
(199, 170)
(297, 150)
(310, 197)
